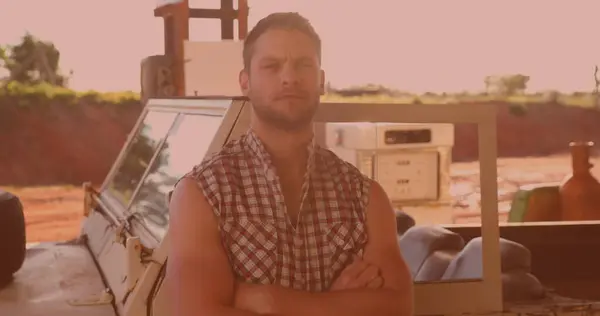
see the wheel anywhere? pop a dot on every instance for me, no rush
(12, 236)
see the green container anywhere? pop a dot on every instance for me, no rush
(544, 196)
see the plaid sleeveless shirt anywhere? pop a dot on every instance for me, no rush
(263, 246)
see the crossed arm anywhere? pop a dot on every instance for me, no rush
(201, 281)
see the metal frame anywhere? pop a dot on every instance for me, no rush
(456, 297)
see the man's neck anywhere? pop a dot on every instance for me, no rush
(286, 148)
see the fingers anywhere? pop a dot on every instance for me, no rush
(368, 274)
(349, 273)
(376, 283)
(355, 269)
(358, 274)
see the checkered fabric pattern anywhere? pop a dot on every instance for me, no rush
(262, 243)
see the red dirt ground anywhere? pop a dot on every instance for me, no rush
(52, 213)
(55, 212)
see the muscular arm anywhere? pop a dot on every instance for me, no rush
(198, 277)
(396, 296)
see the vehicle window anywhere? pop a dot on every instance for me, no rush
(184, 148)
(153, 129)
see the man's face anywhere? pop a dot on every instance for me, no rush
(284, 80)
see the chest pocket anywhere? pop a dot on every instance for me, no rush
(344, 240)
(251, 245)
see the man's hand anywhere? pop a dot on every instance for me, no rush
(254, 298)
(359, 274)
(261, 299)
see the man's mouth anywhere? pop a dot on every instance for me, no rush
(291, 97)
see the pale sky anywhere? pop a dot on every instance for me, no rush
(418, 45)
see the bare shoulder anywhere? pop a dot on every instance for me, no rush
(381, 217)
(191, 216)
(382, 247)
(378, 198)
(198, 273)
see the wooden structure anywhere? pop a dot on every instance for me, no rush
(176, 15)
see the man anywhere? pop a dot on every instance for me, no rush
(274, 224)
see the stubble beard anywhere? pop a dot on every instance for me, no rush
(281, 122)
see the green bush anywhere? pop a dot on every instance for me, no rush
(29, 94)
(43, 93)
(586, 100)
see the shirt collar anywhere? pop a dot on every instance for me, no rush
(258, 148)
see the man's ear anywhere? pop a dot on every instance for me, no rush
(244, 80)
(322, 83)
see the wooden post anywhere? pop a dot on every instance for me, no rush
(176, 32)
(227, 20)
(242, 18)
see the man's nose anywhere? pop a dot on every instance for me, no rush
(289, 74)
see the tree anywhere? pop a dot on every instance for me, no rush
(32, 62)
(507, 84)
(3, 62)
(597, 86)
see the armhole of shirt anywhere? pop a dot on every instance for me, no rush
(210, 195)
(365, 197)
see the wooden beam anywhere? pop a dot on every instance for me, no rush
(227, 22)
(166, 10)
(213, 14)
(182, 31)
(169, 35)
(242, 19)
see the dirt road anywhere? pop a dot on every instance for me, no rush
(55, 213)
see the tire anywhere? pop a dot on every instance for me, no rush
(12, 236)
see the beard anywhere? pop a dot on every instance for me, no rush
(301, 118)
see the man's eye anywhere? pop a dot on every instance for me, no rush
(307, 65)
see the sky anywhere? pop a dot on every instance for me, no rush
(417, 45)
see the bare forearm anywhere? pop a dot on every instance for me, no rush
(350, 303)
(225, 311)
(218, 310)
(187, 303)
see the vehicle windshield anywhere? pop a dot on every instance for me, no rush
(185, 146)
(142, 148)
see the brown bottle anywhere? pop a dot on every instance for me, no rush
(580, 192)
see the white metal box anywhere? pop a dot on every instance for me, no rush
(212, 68)
(411, 161)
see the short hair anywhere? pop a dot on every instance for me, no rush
(292, 21)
